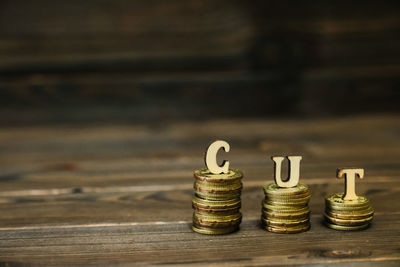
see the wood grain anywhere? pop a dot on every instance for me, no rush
(121, 193)
(123, 61)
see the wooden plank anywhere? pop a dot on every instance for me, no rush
(160, 203)
(86, 98)
(113, 61)
(65, 157)
(177, 244)
(159, 35)
(121, 194)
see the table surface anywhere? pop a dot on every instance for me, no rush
(121, 194)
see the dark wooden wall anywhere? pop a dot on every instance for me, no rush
(171, 59)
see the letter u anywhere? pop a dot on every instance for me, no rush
(294, 171)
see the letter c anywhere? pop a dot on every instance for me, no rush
(211, 157)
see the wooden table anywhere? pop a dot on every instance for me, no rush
(121, 194)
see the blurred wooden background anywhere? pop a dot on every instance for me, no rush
(84, 61)
(106, 108)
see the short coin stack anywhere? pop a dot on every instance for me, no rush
(285, 210)
(216, 202)
(347, 215)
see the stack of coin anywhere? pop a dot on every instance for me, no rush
(285, 210)
(347, 215)
(216, 202)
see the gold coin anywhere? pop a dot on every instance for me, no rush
(219, 197)
(336, 200)
(288, 230)
(214, 192)
(216, 203)
(218, 183)
(347, 228)
(286, 216)
(216, 206)
(213, 221)
(298, 204)
(217, 218)
(217, 211)
(225, 195)
(348, 222)
(284, 223)
(211, 231)
(275, 189)
(284, 209)
(288, 197)
(207, 187)
(217, 189)
(347, 209)
(351, 214)
(206, 175)
(216, 224)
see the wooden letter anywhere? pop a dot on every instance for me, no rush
(294, 171)
(350, 184)
(211, 157)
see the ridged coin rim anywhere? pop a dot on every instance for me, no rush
(205, 175)
(219, 231)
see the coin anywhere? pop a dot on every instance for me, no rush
(217, 211)
(347, 209)
(216, 224)
(350, 214)
(216, 202)
(348, 222)
(288, 230)
(275, 189)
(347, 215)
(222, 183)
(288, 203)
(288, 197)
(225, 186)
(217, 189)
(218, 196)
(284, 223)
(212, 231)
(217, 218)
(284, 209)
(336, 200)
(347, 228)
(206, 175)
(215, 206)
(286, 216)
(208, 220)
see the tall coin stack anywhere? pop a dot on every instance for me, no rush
(285, 210)
(347, 215)
(216, 202)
